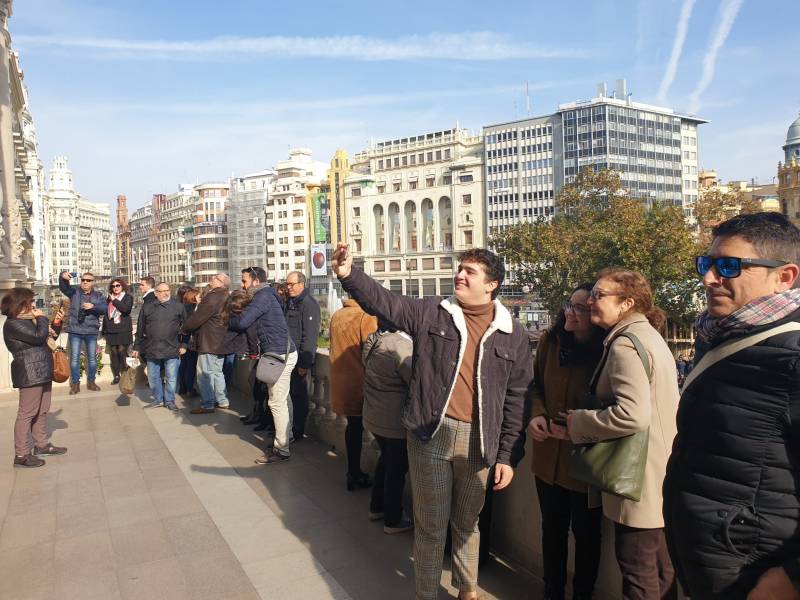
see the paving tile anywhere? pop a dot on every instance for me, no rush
(83, 557)
(122, 485)
(79, 491)
(79, 469)
(194, 533)
(75, 520)
(30, 592)
(213, 576)
(116, 464)
(155, 459)
(176, 501)
(20, 566)
(130, 510)
(154, 580)
(101, 586)
(30, 529)
(24, 501)
(164, 478)
(140, 543)
(308, 587)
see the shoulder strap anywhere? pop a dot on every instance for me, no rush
(639, 350)
(730, 347)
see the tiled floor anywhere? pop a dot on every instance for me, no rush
(151, 504)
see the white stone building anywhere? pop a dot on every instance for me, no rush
(288, 226)
(80, 231)
(247, 234)
(177, 212)
(412, 205)
(141, 222)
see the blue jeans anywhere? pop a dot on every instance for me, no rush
(163, 393)
(228, 367)
(76, 340)
(210, 380)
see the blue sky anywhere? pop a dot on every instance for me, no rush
(142, 96)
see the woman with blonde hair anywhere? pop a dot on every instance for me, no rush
(632, 401)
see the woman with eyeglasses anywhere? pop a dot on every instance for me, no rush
(565, 360)
(117, 326)
(27, 334)
(634, 401)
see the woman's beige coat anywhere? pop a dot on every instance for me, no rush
(634, 404)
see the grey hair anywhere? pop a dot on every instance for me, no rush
(301, 277)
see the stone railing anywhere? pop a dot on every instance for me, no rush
(516, 523)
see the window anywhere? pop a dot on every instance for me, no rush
(381, 189)
(356, 211)
(355, 192)
(466, 199)
(396, 161)
(394, 265)
(446, 287)
(429, 180)
(297, 213)
(396, 187)
(380, 164)
(447, 154)
(379, 266)
(428, 264)
(430, 156)
(468, 238)
(412, 185)
(396, 285)
(447, 179)
(428, 287)
(299, 239)
(357, 242)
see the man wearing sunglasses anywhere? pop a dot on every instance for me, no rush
(86, 307)
(731, 502)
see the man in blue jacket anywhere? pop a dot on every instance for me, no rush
(86, 307)
(266, 313)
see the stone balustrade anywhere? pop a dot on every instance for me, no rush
(516, 523)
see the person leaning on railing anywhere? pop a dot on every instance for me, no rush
(26, 333)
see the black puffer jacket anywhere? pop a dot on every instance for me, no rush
(732, 489)
(302, 317)
(158, 329)
(33, 359)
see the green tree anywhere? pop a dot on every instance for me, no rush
(714, 206)
(597, 225)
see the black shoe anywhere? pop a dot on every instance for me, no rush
(552, 592)
(115, 381)
(251, 420)
(28, 461)
(359, 482)
(265, 427)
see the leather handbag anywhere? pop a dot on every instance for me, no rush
(271, 364)
(60, 365)
(613, 466)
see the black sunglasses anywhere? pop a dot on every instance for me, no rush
(731, 266)
(88, 280)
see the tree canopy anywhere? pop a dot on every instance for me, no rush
(714, 206)
(598, 225)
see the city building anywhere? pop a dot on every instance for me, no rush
(337, 174)
(80, 231)
(655, 149)
(154, 237)
(123, 239)
(175, 214)
(789, 174)
(209, 232)
(412, 204)
(765, 194)
(288, 213)
(247, 234)
(140, 225)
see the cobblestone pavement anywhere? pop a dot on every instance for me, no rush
(151, 504)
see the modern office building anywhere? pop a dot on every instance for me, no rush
(412, 204)
(209, 232)
(655, 149)
(175, 217)
(247, 209)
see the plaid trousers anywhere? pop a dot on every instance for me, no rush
(448, 484)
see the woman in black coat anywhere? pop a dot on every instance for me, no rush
(26, 333)
(117, 326)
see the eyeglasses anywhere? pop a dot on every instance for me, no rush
(116, 285)
(730, 267)
(578, 309)
(600, 294)
(292, 283)
(86, 280)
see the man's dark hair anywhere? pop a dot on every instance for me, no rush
(149, 281)
(492, 265)
(771, 234)
(256, 273)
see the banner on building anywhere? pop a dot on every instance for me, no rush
(319, 260)
(319, 204)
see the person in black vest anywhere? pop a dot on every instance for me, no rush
(732, 489)
(302, 317)
(117, 327)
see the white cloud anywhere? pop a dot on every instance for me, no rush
(677, 49)
(478, 46)
(728, 11)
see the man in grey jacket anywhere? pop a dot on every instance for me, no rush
(387, 373)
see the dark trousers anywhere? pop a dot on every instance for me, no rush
(352, 440)
(228, 367)
(562, 508)
(647, 572)
(298, 390)
(260, 397)
(187, 372)
(390, 479)
(118, 356)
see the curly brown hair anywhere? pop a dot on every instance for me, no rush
(117, 280)
(17, 300)
(635, 286)
(235, 304)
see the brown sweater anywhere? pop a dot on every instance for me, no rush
(464, 401)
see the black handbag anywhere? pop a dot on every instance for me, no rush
(613, 466)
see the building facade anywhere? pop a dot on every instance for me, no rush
(80, 231)
(123, 239)
(412, 204)
(247, 234)
(210, 232)
(288, 213)
(337, 174)
(655, 150)
(175, 214)
(789, 174)
(141, 223)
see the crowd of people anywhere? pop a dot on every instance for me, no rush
(701, 483)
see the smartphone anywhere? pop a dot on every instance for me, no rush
(560, 421)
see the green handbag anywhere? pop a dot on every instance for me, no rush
(613, 466)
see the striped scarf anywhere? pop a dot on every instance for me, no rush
(761, 311)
